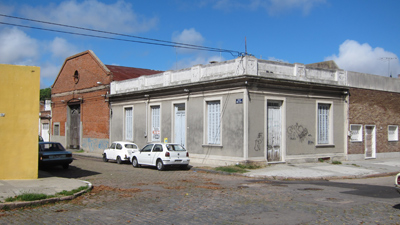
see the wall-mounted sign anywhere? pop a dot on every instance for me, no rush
(239, 101)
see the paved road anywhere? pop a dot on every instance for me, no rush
(126, 195)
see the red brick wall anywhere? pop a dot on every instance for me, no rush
(379, 108)
(89, 70)
(94, 108)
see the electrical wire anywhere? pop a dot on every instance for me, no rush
(154, 41)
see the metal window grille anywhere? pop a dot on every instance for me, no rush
(128, 124)
(323, 123)
(214, 122)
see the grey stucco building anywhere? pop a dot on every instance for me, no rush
(241, 110)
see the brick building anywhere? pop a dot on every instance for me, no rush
(80, 108)
(374, 116)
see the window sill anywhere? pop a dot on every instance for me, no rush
(212, 146)
(325, 146)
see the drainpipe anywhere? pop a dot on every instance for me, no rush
(147, 112)
(246, 123)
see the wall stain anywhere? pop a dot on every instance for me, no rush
(259, 142)
(300, 132)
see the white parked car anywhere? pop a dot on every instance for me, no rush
(120, 151)
(397, 182)
(161, 155)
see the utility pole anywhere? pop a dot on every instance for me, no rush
(388, 60)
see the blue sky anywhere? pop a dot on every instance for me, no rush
(357, 34)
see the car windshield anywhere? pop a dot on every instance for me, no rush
(51, 147)
(131, 146)
(175, 148)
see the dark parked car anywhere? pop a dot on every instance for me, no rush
(53, 154)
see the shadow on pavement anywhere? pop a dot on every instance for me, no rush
(58, 171)
(366, 190)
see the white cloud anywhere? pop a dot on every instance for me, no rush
(196, 60)
(188, 36)
(277, 60)
(60, 48)
(273, 7)
(116, 17)
(279, 6)
(357, 57)
(16, 47)
(48, 73)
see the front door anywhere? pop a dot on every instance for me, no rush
(45, 132)
(370, 147)
(74, 126)
(274, 131)
(180, 124)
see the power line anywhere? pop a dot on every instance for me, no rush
(170, 43)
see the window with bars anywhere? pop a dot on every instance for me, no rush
(393, 133)
(213, 122)
(56, 129)
(324, 125)
(129, 124)
(356, 132)
(155, 123)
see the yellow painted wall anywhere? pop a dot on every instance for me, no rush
(19, 102)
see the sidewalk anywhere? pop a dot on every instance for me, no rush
(305, 171)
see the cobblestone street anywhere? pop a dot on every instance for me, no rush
(126, 195)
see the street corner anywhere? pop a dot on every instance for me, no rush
(64, 195)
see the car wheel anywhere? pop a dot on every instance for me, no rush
(105, 158)
(65, 166)
(160, 165)
(135, 163)
(119, 161)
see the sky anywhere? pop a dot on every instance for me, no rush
(359, 35)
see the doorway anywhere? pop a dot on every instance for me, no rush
(74, 126)
(274, 131)
(180, 124)
(370, 141)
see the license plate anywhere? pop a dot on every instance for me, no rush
(178, 160)
(56, 156)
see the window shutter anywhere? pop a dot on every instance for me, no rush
(128, 124)
(214, 122)
(323, 123)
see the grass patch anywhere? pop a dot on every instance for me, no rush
(80, 151)
(239, 168)
(68, 193)
(336, 162)
(27, 197)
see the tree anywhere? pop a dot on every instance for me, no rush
(45, 94)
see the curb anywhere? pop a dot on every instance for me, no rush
(14, 205)
(281, 178)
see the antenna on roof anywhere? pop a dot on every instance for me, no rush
(245, 45)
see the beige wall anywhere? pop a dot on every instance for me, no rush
(19, 97)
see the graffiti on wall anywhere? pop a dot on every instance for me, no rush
(94, 144)
(259, 142)
(299, 132)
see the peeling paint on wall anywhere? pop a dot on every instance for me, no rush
(94, 144)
